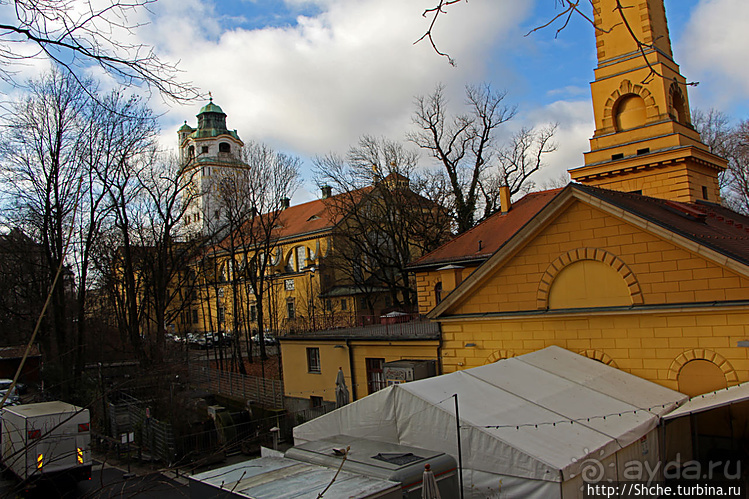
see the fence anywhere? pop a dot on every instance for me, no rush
(265, 392)
(152, 436)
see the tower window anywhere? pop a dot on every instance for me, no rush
(640, 152)
(704, 192)
(191, 151)
(614, 157)
(224, 147)
(679, 108)
(204, 150)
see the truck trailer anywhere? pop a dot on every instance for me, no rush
(47, 440)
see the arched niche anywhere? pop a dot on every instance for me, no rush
(700, 376)
(629, 112)
(588, 277)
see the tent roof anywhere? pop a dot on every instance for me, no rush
(720, 398)
(534, 416)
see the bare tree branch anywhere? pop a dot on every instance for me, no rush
(78, 34)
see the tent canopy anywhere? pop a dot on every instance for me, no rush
(536, 416)
(711, 400)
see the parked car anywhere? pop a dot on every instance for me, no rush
(13, 398)
(200, 340)
(267, 339)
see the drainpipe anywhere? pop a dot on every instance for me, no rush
(351, 369)
(439, 351)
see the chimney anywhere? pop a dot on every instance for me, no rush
(326, 191)
(285, 203)
(504, 198)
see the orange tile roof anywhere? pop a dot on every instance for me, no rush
(480, 242)
(308, 218)
(706, 223)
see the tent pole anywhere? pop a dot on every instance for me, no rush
(460, 449)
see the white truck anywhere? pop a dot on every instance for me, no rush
(47, 440)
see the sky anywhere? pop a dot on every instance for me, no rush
(309, 77)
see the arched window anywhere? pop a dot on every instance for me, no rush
(438, 293)
(301, 257)
(629, 112)
(224, 147)
(679, 107)
(191, 151)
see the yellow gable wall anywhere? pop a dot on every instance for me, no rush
(665, 273)
(651, 344)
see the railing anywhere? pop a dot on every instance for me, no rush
(415, 329)
(266, 392)
(324, 321)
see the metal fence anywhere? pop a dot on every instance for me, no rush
(265, 392)
(150, 435)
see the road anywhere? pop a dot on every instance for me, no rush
(105, 483)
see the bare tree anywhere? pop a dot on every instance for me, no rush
(730, 141)
(76, 35)
(166, 250)
(465, 145)
(119, 128)
(384, 218)
(43, 180)
(255, 197)
(518, 160)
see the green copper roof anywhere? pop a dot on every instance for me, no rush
(211, 108)
(185, 127)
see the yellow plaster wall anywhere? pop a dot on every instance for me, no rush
(666, 273)
(649, 345)
(425, 282)
(390, 351)
(678, 182)
(299, 383)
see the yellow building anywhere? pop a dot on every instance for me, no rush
(636, 266)
(307, 285)
(311, 361)
(223, 299)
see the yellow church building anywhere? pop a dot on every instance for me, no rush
(636, 265)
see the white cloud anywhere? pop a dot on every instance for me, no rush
(713, 50)
(321, 83)
(575, 127)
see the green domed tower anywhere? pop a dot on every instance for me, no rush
(207, 153)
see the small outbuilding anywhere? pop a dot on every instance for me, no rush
(530, 426)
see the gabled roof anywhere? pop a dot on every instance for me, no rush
(479, 243)
(708, 224)
(717, 233)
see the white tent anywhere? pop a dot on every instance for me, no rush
(530, 425)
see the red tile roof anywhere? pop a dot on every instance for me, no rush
(310, 217)
(480, 242)
(709, 224)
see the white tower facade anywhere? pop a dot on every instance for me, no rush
(207, 153)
